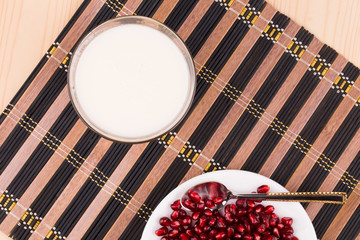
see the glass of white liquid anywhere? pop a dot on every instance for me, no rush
(131, 79)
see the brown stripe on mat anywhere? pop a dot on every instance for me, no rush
(343, 216)
(337, 173)
(301, 119)
(103, 196)
(164, 10)
(44, 176)
(73, 187)
(34, 139)
(50, 66)
(320, 144)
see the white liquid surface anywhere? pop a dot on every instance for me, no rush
(132, 81)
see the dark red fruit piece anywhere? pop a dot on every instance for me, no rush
(237, 236)
(220, 235)
(269, 209)
(210, 204)
(184, 236)
(212, 221)
(240, 212)
(228, 217)
(175, 215)
(165, 221)
(218, 200)
(203, 236)
(202, 221)
(212, 233)
(208, 212)
(261, 228)
(189, 232)
(186, 221)
(276, 232)
(254, 218)
(195, 197)
(287, 221)
(230, 231)
(198, 229)
(175, 205)
(287, 236)
(256, 236)
(161, 231)
(259, 208)
(251, 203)
(247, 237)
(263, 189)
(189, 204)
(221, 223)
(174, 233)
(175, 224)
(196, 215)
(200, 206)
(240, 228)
(241, 203)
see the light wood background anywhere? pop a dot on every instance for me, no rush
(28, 28)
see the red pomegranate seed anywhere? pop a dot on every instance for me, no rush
(186, 221)
(241, 203)
(228, 217)
(210, 204)
(212, 233)
(263, 189)
(247, 237)
(161, 231)
(174, 233)
(165, 221)
(237, 236)
(218, 200)
(251, 203)
(256, 236)
(287, 221)
(206, 228)
(176, 205)
(212, 221)
(276, 232)
(261, 228)
(294, 238)
(270, 237)
(196, 215)
(189, 204)
(221, 223)
(190, 233)
(287, 236)
(174, 215)
(195, 197)
(259, 208)
(175, 224)
(247, 226)
(230, 231)
(266, 233)
(203, 236)
(184, 236)
(269, 209)
(273, 222)
(197, 229)
(208, 212)
(254, 218)
(202, 221)
(240, 228)
(220, 235)
(216, 212)
(280, 226)
(200, 206)
(240, 212)
(287, 230)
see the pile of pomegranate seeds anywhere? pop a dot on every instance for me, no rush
(245, 219)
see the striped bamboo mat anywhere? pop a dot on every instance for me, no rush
(270, 98)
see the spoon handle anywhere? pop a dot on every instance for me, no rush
(322, 197)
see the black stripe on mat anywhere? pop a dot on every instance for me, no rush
(243, 75)
(148, 7)
(88, 192)
(41, 155)
(56, 184)
(206, 25)
(310, 132)
(333, 151)
(19, 134)
(352, 227)
(328, 212)
(179, 14)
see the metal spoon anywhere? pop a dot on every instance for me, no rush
(212, 190)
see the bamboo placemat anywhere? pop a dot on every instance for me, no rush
(270, 98)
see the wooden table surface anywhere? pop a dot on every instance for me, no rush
(28, 28)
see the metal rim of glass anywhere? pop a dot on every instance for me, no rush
(116, 22)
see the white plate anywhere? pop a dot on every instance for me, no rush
(238, 182)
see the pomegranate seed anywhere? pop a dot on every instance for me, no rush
(203, 236)
(212, 233)
(276, 232)
(186, 221)
(164, 221)
(263, 189)
(254, 218)
(240, 228)
(240, 212)
(195, 197)
(287, 236)
(247, 226)
(206, 228)
(216, 212)
(237, 236)
(218, 200)
(294, 238)
(259, 208)
(256, 236)
(280, 226)
(261, 228)
(201, 205)
(269, 209)
(184, 236)
(212, 221)
(189, 204)
(270, 237)
(174, 233)
(230, 231)
(176, 205)
(273, 222)
(251, 203)
(196, 215)
(202, 221)
(197, 229)
(195, 238)
(287, 221)
(210, 204)
(190, 233)
(241, 203)
(208, 212)
(161, 231)
(220, 235)
(174, 215)
(287, 230)
(228, 217)
(247, 237)
(175, 224)
(221, 223)
(266, 233)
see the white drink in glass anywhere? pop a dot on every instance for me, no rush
(131, 82)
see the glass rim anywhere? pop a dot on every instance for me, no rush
(146, 21)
